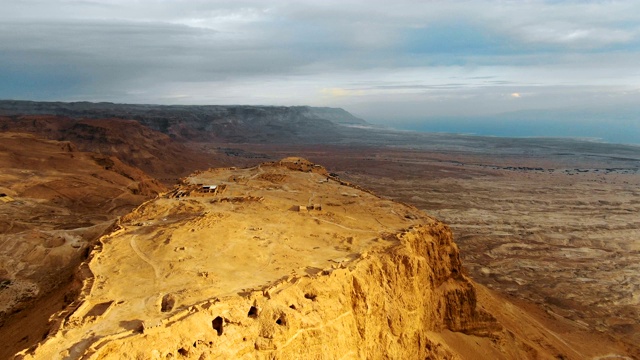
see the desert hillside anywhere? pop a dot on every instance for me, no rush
(548, 221)
(137, 145)
(531, 216)
(54, 201)
(284, 260)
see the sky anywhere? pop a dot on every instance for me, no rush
(390, 62)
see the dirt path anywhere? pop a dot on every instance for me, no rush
(142, 256)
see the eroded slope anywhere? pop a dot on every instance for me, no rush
(56, 200)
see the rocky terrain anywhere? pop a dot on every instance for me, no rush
(550, 224)
(566, 242)
(55, 201)
(558, 228)
(283, 260)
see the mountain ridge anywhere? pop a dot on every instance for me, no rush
(233, 123)
(133, 143)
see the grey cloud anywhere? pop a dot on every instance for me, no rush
(461, 56)
(112, 51)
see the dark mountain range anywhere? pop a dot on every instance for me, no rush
(233, 123)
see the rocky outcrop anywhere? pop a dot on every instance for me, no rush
(287, 262)
(393, 277)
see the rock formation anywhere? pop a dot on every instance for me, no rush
(288, 262)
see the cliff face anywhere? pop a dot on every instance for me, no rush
(246, 271)
(386, 303)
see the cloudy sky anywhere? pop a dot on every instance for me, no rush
(387, 61)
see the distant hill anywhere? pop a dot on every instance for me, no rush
(223, 123)
(335, 115)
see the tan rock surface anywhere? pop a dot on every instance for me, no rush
(565, 239)
(288, 262)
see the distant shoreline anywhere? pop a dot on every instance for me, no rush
(589, 133)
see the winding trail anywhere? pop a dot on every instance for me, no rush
(144, 257)
(260, 172)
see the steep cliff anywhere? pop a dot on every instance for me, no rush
(283, 261)
(385, 303)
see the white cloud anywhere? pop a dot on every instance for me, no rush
(574, 36)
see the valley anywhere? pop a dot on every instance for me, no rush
(57, 202)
